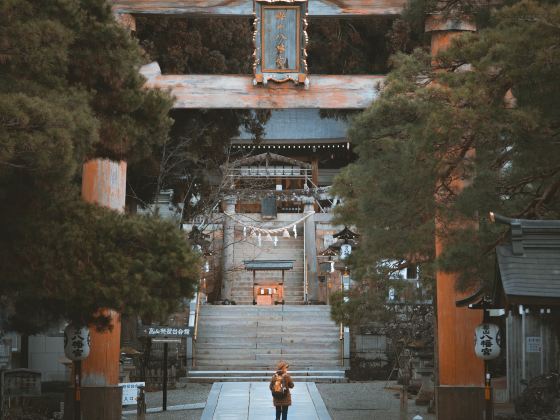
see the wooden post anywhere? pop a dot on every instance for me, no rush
(165, 350)
(460, 372)
(103, 183)
(310, 251)
(77, 385)
(404, 399)
(488, 395)
(141, 404)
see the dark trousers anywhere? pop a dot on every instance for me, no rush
(282, 410)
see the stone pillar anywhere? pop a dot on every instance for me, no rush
(460, 393)
(311, 252)
(189, 347)
(228, 253)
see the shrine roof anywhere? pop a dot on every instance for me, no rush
(529, 265)
(299, 124)
(269, 264)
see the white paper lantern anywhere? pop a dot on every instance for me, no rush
(345, 251)
(487, 341)
(76, 342)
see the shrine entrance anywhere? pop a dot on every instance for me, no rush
(268, 289)
(268, 294)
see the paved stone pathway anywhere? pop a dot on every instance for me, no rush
(252, 401)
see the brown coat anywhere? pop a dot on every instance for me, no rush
(287, 400)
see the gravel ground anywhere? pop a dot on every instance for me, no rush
(349, 401)
(192, 393)
(366, 401)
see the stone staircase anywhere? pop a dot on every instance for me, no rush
(244, 343)
(286, 249)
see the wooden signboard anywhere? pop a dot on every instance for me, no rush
(170, 332)
(20, 383)
(130, 392)
(280, 41)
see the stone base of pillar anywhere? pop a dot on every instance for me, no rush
(460, 402)
(97, 403)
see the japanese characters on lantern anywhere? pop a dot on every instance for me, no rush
(487, 341)
(76, 342)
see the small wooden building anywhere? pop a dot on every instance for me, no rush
(528, 288)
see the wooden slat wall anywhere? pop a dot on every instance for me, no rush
(535, 326)
(245, 7)
(196, 91)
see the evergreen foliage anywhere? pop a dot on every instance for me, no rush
(432, 129)
(199, 140)
(69, 91)
(348, 46)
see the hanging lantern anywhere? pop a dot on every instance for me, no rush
(295, 231)
(206, 266)
(259, 239)
(76, 342)
(275, 240)
(487, 341)
(345, 251)
(244, 231)
(285, 234)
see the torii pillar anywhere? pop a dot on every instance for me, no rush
(460, 387)
(103, 184)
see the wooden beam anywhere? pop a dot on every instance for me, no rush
(333, 8)
(197, 91)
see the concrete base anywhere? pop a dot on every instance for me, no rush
(97, 403)
(460, 402)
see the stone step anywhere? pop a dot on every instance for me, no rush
(266, 334)
(197, 371)
(266, 337)
(265, 347)
(252, 309)
(320, 379)
(198, 375)
(267, 320)
(251, 337)
(236, 364)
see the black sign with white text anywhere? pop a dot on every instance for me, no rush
(172, 332)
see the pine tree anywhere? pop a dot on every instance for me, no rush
(418, 139)
(69, 91)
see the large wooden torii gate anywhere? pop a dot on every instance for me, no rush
(459, 371)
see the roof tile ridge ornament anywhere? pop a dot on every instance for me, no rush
(516, 231)
(280, 42)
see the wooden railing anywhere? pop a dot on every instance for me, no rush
(272, 171)
(341, 338)
(195, 333)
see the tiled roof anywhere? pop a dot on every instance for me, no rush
(530, 264)
(269, 265)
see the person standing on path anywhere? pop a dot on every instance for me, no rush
(280, 385)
